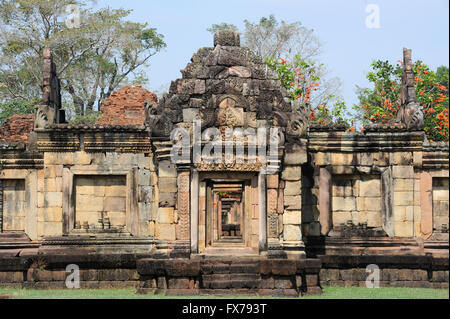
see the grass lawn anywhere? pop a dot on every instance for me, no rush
(329, 293)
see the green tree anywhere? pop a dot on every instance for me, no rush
(16, 107)
(93, 59)
(215, 28)
(380, 103)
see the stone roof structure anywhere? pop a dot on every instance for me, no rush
(226, 86)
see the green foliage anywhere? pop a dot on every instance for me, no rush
(90, 118)
(16, 107)
(221, 27)
(380, 104)
(92, 60)
(300, 78)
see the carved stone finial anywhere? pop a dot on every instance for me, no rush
(410, 112)
(227, 38)
(49, 112)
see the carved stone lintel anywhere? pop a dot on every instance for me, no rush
(234, 167)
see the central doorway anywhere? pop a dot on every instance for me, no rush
(228, 214)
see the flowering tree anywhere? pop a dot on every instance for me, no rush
(300, 78)
(380, 104)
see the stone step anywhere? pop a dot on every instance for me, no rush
(233, 284)
(246, 268)
(223, 277)
(215, 268)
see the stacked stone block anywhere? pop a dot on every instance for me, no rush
(403, 200)
(100, 197)
(50, 195)
(440, 204)
(167, 195)
(358, 199)
(292, 216)
(126, 198)
(14, 205)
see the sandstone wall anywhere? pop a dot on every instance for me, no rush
(78, 186)
(371, 178)
(14, 205)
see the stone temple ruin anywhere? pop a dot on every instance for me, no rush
(111, 199)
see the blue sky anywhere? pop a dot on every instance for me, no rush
(348, 45)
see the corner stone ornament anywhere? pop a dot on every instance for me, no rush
(49, 111)
(410, 112)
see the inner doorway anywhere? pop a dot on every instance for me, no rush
(228, 215)
(228, 212)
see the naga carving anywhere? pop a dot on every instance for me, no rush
(410, 112)
(157, 122)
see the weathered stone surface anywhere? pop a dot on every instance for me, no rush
(292, 218)
(292, 233)
(293, 202)
(167, 169)
(167, 232)
(344, 204)
(404, 198)
(272, 181)
(227, 38)
(167, 185)
(240, 71)
(293, 188)
(403, 172)
(292, 173)
(370, 188)
(295, 154)
(166, 215)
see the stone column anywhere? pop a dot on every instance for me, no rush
(31, 198)
(426, 203)
(325, 217)
(262, 212)
(272, 206)
(403, 200)
(183, 202)
(386, 205)
(167, 186)
(194, 211)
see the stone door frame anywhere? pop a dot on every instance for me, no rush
(326, 175)
(31, 193)
(69, 204)
(258, 185)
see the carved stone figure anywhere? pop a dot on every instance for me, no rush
(297, 125)
(158, 123)
(410, 112)
(49, 111)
